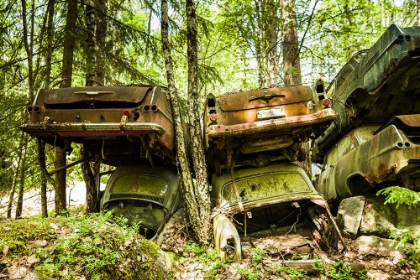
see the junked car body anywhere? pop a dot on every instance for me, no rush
(264, 201)
(271, 124)
(375, 85)
(144, 194)
(373, 156)
(374, 141)
(116, 122)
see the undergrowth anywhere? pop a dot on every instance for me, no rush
(91, 246)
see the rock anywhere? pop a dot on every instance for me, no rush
(18, 272)
(374, 245)
(33, 276)
(381, 219)
(164, 260)
(349, 215)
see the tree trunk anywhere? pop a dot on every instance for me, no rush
(270, 30)
(89, 175)
(12, 193)
(67, 70)
(100, 35)
(418, 12)
(41, 162)
(201, 223)
(15, 177)
(90, 43)
(194, 209)
(50, 35)
(290, 44)
(60, 186)
(22, 174)
(95, 76)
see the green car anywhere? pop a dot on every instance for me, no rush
(264, 201)
(144, 194)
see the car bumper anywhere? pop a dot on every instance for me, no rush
(91, 129)
(287, 124)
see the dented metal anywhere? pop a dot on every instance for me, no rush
(369, 156)
(274, 198)
(375, 85)
(143, 194)
(273, 120)
(107, 119)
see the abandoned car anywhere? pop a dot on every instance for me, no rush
(115, 122)
(375, 85)
(144, 194)
(267, 201)
(370, 157)
(271, 124)
(374, 141)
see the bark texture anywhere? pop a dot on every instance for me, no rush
(201, 223)
(90, 171)
(290, 44)
(41, 162)
(70, 29)
(194, 209)
(60, 186)
(90, 49)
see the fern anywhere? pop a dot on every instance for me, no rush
(399, 196)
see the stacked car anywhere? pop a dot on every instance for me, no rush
(128, 127)
(253, 140)
(374, 141)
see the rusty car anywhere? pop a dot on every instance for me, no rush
(371, 157)
(375, 85)
(374, 141)
(258, 126)
(146, 195)
(275, 200)
(115, 122)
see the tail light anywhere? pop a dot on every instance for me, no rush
(326, 102)
(213, 117)
(127, 113)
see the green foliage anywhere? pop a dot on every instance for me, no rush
(340, 271)
(293, 273)
(399, 196)
(318, 266)
(92, 246)
(250, 274)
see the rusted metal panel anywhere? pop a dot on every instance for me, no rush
(130, 114)
(375, 85)
(66, 96)
(261, 98)
(388, 156)
(240, 125)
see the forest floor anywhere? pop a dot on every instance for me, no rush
(190, 261)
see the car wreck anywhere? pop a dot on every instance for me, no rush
(374, 141)
(115, 122)
(375, 85)
(274, 200)
(146, 195)
(371, 157)
(252, 139)
(271, 124)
